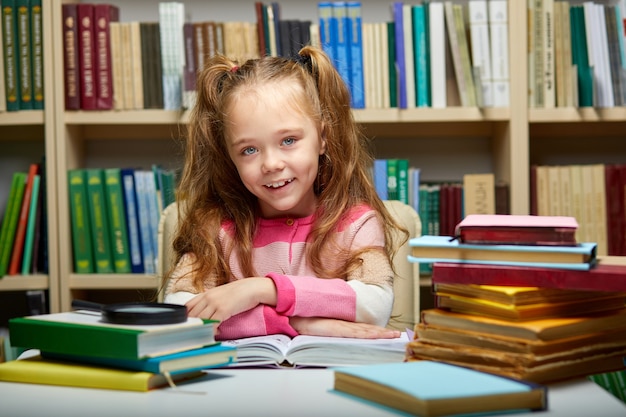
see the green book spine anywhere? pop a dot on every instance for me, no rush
(9, 48)
(117, 220)
(11, 218)
(101, 241)
(81, 231)
(403, 180)
(393, 76)
(24, 55)
(392, 179)
(36, 30)
(30, 227)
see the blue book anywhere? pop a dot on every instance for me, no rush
(325, 13)
(355, 39)
(429, 248)
(132, 220)
(145, 229)
(428, 388)
(339, 34)
(380, 178)
(400, 56)
(213, 356)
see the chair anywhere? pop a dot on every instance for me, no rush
(406, 284)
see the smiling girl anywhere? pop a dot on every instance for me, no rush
(281, 229)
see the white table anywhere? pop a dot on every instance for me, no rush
(257, 392)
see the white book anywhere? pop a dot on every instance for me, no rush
(135, 46)
(381, 30)
(603, 46)
(117, 65)
(499, 31)
(304, 351)
(368, 64)
(409, 55)
(549, 83)
(171, 21)
(437, 44)
(481, 54)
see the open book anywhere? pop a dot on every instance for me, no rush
(316, 351)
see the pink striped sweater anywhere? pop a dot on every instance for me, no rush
(279, 250)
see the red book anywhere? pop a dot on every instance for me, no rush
(86, 56)
(20, 234)
(70, 57)
(104, 14)
(496, 229)
(602, 277)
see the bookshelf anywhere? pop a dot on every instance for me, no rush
(446, 143)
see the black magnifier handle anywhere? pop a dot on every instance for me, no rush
(87, 305)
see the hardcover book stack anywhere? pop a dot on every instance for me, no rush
(78, 349)
(518, 296)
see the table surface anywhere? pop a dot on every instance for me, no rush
(258, 392)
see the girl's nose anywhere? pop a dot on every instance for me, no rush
(273, 161)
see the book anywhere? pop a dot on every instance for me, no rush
(132, 220)
(517, 229)
(82, 252)
(116, 214)
(36, 370)
(3, 97)
(70, 56)
(479, 194)
(499, 36)
(86, 56)
(99, 221)
(104, 14)
(437, 47)
(428, 388)
(212, 356)
(481, 50)
(604, 276)
(143, 213)
(24, 54)
(36, 24)
(11, 219)
(10, 55)
(83, 333)
(355, 38)
(22, 224)
(315, 351)
(430, 248)
(29, 237)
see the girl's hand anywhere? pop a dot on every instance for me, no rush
(223, 302)
(318, 326)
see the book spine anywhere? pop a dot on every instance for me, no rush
(104, 14)
(101, 241)
(132, 221)
(117, 65)
(10, 49)
(400, 54)
(403, 180)
(392, 179)
(70, 57)
(147, 65)
(86, 56)
(499, 35)
(24, 52)
(36, 20)
(80, 223)
(153, 212)
(479, 194)
(40, 223)
(437, 48)
(380, 178)
(355, 32)
(171, 20)
(422, 92)
(20, 233)
(325, 12)
(392, 86)
(136, 69)
(127, 65)
(11, 218)
(117, 220)
(481, 55)
(30, 228)
(189, 92)
(144, 222)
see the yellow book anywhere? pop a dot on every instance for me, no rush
(36, 370)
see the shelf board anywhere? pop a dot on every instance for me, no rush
(21, 118)
(574, 114)
(24, 282)
(128, 117)
(113, 281)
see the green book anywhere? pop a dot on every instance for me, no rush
(96, 202)
(81, 229)
(392, 179)
(84, 333)
(117, 220)
(36, 30)
(24, 50)
(10, 56)
(403, 180)
(30, 227)
(393, 76)
(11, 218)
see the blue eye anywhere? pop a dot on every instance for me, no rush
(289, 141)
(249, 151)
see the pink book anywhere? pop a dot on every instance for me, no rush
(517, 229)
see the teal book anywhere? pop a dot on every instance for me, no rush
(422, 91)
(430, 248)
(393, 74)
(213, 356)
(427, 389)
(30, 227)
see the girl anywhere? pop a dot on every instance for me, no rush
(282, 230)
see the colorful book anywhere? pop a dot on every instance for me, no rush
(602, 277)
(83, 333)
(70, 56)
(82, 252)
(517, 229)
(10, 55)
(24, 52)
(430, 248)
(428, 388)
(213, 356)
(20, 233)
(118, 232)
(36, 370)
(36, 25)
(11, 219)
(98, 218)
(104, 14)
(132, 220)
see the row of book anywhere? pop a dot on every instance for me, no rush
(21, 69)
(592, 193)
(23, 234)
(542, 313)
(115, 214)
(576, 54)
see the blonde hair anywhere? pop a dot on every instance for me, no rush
(210, 191)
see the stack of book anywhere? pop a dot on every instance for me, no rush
(518, 296)
(78, 349)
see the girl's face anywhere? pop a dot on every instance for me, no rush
(275, 147)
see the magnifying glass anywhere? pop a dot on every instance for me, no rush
(136, 313)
